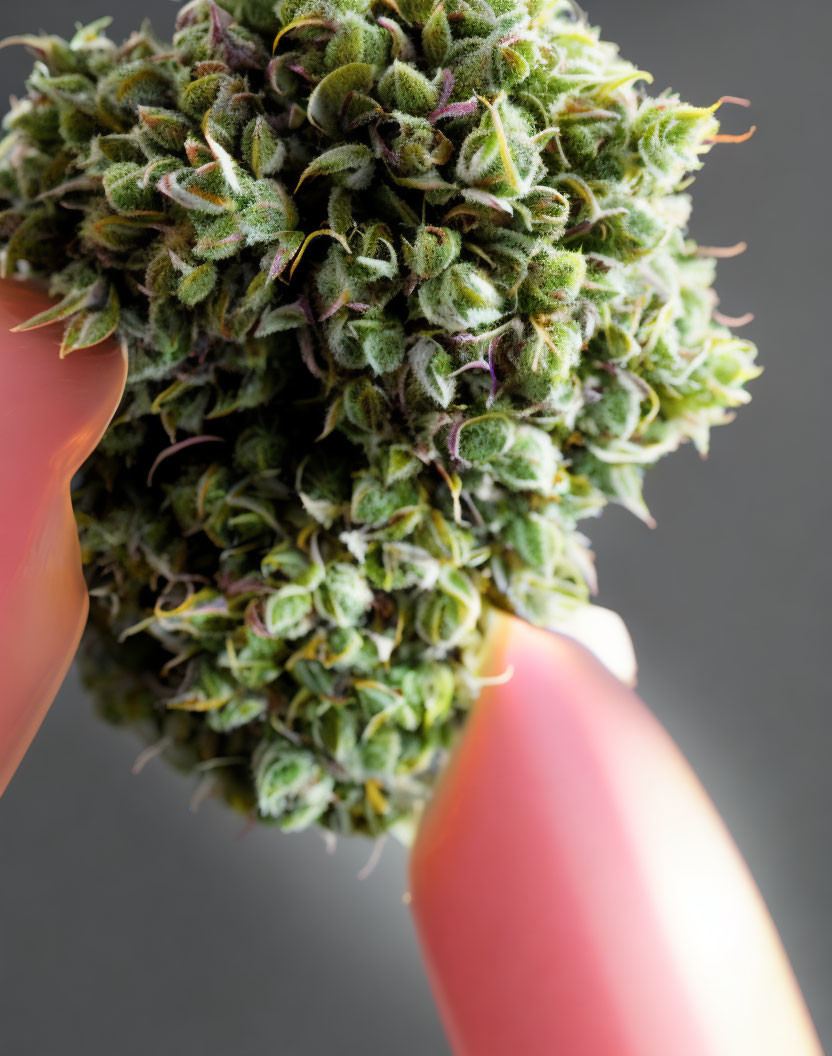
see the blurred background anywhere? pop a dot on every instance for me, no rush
(130, 924)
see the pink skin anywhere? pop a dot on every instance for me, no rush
(53, 412)
(575, 890)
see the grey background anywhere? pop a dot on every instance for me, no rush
(130, 926)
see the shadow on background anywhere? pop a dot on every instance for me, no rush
(129, 925)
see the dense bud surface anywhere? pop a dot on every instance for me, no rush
(407, 292)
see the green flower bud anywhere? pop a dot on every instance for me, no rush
(125, 188)
(263, 150)
(220, 237)
(534, 598)
(257, 663)
(399, 565)
(433, 369)
(271, 213)
(479, 440)
(618, 411)
(671, 137)
(338, 98)
(555, 277)
(449, 613)
(530, 463)
(198, 96)
(418, 151)
(466, 316)
(399, 463)
(356, 41)
(499, 155)
(239, 711)
(344, 596)
(621, 482)
(431, 687)
(435, 249)
(417, 11)
(288, 612)
(630, 231)
(139, 83)
(167, 128)
(347, 650)
(336, 732)
(547, 360)
(375, 342)
(538, 540)
(732, 363)
(291, 786)
(374, 504)
(436, 36)
(380, 754)
(364, 405)
(404, 88)
(461, 298)
(259, 450)
(288, 561)
(197, 284)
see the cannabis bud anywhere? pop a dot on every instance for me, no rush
(407, 293)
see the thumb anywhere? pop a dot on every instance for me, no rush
(575, 890)
(52, 414)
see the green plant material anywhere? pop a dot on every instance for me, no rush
(407, 293)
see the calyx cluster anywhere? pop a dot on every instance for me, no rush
(407, 293)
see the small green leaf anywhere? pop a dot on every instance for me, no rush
(90, 328)
(263, 149)
(436, 36)
(268, 214)
(404, 88)
(166, 127)
(354, 160)
(326, 104)
(288, 612)
(485, 437)
(432, 368)
(74, 301)
(195, 286)
(364, 404)
(283, 317)
(125, 188)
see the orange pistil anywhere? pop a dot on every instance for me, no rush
(722, 252)
(735, 99)
(730, 137)
(734, 320)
